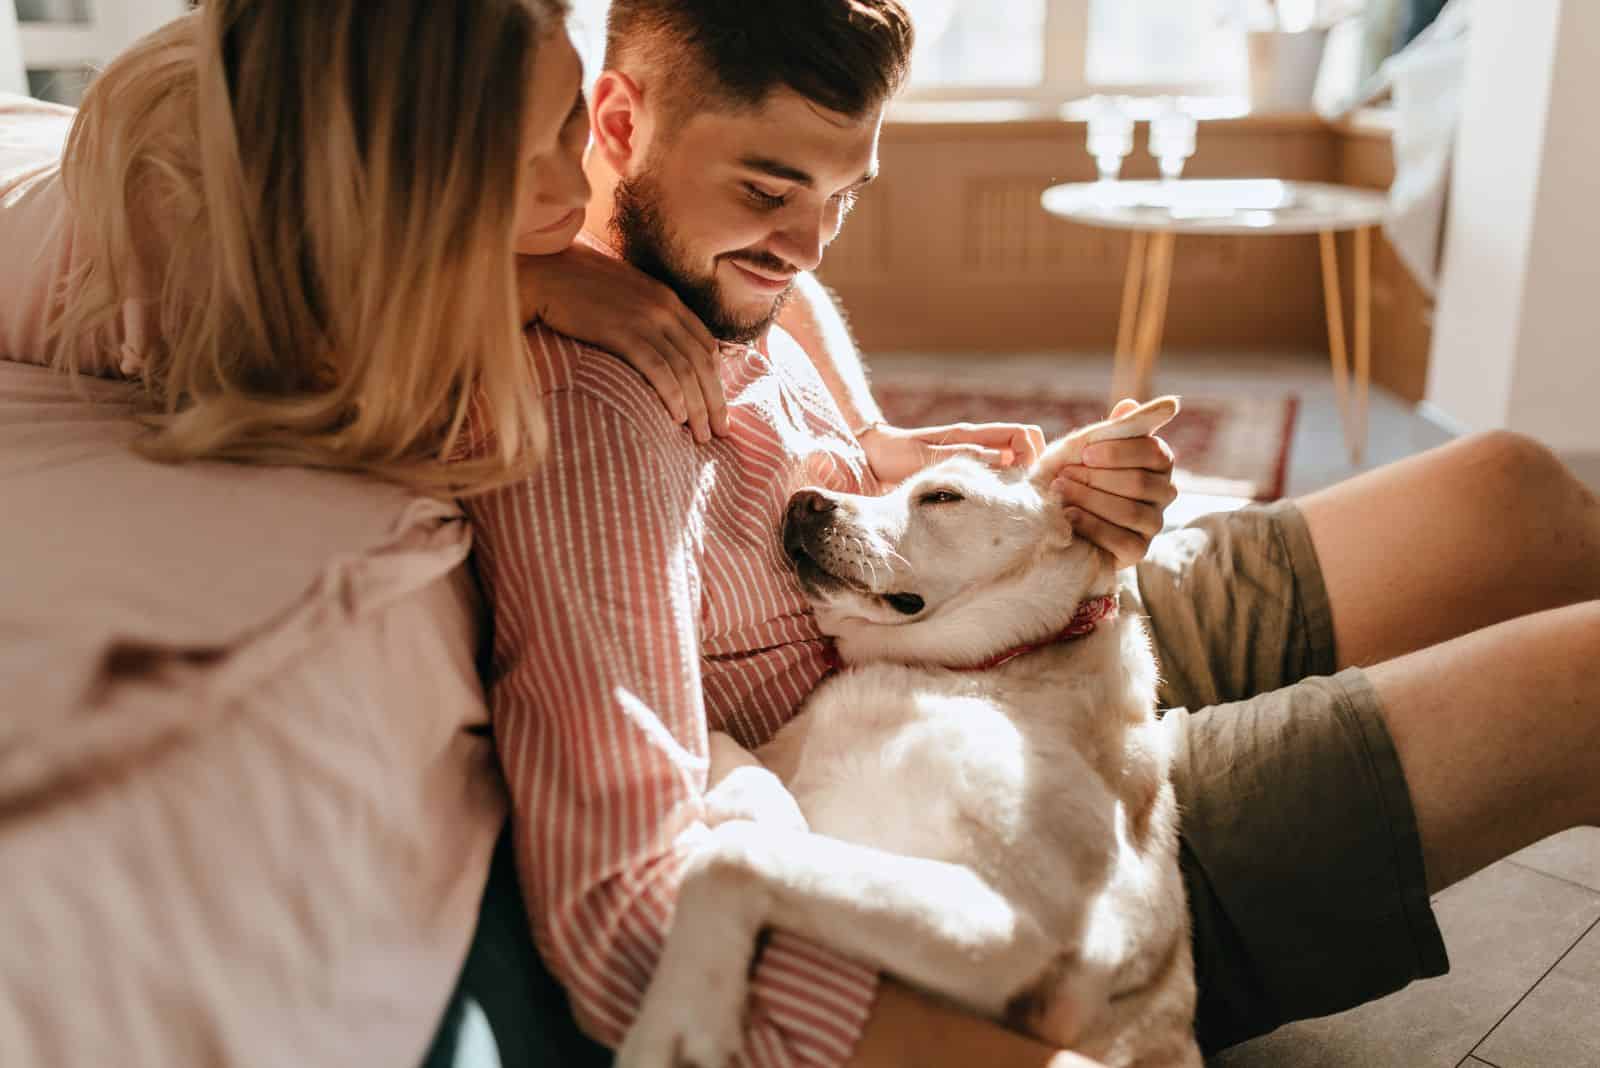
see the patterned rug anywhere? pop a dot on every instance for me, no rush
(1226, 446)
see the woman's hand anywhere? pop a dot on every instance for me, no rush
(1119, 495)
(614, 306)
(896, 454)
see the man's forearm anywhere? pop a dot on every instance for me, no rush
(910, 1030)
(814, 320)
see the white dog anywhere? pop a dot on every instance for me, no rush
(984, 807)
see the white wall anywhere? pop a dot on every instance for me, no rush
(1556, 386)
(1517, 337)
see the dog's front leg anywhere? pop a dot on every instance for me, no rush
(693, 1012)
(935, 925)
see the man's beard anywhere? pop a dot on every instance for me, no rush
(641, 236)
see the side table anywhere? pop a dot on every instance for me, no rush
(1157, 212)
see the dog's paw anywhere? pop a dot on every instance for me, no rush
(693, 1013)
(683, 1028)
(755, 794)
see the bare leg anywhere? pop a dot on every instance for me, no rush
(1498, 734)
(1479, 531)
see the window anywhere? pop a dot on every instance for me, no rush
(1195, 45)
(1050, 50)
(63, 41)
(1016, 48)
(998, 43)
(1055, 50)
(588, 27)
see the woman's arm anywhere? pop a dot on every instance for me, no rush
(606, 302)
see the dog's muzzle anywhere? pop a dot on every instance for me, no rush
(810, 512)
(807, 518)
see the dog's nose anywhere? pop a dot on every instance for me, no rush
(809, 512)
(808, 504)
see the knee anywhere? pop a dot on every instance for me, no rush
(1588, 613)
(1515, 466)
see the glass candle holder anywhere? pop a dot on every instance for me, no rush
(1172, 139)
(1110, 136)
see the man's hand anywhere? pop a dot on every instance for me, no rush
(1119, 495)
(896, 454)
(614, 306)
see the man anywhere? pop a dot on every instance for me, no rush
(639, 596)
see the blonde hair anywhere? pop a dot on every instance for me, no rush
(314, 205)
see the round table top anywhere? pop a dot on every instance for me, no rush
(1210, 206)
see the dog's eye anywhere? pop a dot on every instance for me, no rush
(940, 497)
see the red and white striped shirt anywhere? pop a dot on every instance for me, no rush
(639, 595)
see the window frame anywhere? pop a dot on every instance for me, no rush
(13, 68)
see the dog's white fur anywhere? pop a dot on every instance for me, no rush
(1005, 838)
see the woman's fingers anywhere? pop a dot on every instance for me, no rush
(1036, 439)
(696, 329)
(989, 457)
(660, 373)
(704, 366)
(1024, 443)
(694, 397)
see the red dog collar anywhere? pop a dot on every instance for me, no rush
(1090, 614)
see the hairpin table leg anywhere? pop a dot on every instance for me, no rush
(1334, 301)
(1358, 413)
(1153, 319)
(1127, 324)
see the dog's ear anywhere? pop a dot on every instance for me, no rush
(1141, 422)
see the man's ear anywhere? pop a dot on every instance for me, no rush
(1141, 422)
(616, 116)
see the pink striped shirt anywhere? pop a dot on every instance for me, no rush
(639, 595)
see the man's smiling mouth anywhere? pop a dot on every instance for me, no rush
(762, 280)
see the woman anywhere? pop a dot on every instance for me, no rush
(316, 270)
(290, 266)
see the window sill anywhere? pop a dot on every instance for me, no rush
(1009, 114)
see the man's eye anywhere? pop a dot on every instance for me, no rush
(940, 497)
(765, 199)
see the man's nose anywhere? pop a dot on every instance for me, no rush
(803, 242)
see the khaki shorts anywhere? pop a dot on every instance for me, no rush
(1299, 844)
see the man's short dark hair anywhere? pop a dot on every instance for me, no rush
(848, 56)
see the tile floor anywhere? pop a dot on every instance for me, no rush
(1523, 935)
